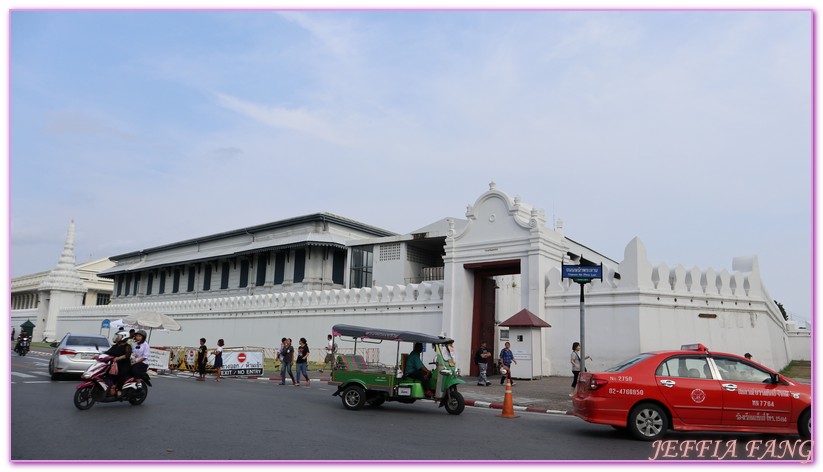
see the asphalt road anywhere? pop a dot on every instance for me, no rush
(259, 420)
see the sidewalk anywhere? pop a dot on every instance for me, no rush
(545, 395)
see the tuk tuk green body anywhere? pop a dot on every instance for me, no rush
(359, 383)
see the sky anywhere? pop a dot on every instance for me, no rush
(691, 130)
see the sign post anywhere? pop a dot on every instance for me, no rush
(582, 275)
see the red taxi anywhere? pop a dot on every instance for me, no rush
(693, 390)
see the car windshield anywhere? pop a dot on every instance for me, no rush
(91, 341)
(620, 367)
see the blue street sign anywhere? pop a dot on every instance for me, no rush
(582, 272)
(106, 324)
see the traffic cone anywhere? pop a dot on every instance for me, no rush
(508, 404)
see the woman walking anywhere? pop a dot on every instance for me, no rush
(302, 361)
(218, 358)
(575, 361)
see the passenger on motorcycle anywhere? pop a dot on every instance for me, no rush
(121, 351)
(140, 357)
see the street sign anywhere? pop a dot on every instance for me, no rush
(106, 324)
(582, 274)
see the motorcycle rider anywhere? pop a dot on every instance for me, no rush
(140, 357)
(121, 351)
(21, 341)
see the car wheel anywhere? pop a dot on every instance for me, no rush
(84, 398)
(354, 397)
(648, 422)
(455, 403)
(804, 425)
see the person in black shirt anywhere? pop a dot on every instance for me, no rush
(481, 358)
(202, 359)
(288, 357)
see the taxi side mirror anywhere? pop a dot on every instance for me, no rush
(775, 378)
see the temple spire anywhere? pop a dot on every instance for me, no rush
(65, 276)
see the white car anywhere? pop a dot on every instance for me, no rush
(75, 353)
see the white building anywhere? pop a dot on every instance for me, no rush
(461, 277)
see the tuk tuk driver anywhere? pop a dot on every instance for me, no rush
(415, 368)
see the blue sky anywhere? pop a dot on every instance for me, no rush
(691, 130)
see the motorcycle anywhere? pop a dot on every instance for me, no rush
(96, 386)
(23, 345)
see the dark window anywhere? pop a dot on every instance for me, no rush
(362, 262)
(299, 265)
(262, 262)
(192, 274)
(103, 298)
(244, 273)
(224, 276)
(338, 266)
(149, 284)
(279, 267)
(207, 277)
(162, 282)
(175, 285)
(119, 284)
(128, 284)
(136, 283)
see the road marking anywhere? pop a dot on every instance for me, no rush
(25, 376)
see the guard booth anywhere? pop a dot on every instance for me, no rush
(28, 327)
(526, 344)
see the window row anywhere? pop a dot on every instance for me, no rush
(178, 279)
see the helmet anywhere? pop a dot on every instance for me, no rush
(121, 335)
(142, 332)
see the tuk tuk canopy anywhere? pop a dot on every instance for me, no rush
(388, 334)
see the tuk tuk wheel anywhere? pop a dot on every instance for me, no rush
(455, 403)
(376, 400)
(353, 397)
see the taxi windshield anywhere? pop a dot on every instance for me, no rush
(620, 367)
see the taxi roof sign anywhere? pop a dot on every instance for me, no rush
(694, 347)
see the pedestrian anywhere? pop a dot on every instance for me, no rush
(12, 334)
(202, 358)
(287, 353)
(575, 361)
(279, 351)
(481, 358)
(218, 358)
(330, 348)
(506, 359)
(302, 361)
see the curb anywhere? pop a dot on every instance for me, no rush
(499, 406)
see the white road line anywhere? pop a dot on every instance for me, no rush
(25, 376)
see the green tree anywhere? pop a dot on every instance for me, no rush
(782, 310)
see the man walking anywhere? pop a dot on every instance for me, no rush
(481, 358)
(506, 359)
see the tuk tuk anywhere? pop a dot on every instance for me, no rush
(359, 383)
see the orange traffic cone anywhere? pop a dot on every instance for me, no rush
(508, 404)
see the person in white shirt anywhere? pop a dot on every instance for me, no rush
(139, 357)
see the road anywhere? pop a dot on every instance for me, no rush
(259, 420)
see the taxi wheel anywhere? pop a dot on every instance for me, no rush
(804, 425)
(353, 397)
(648, 422)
